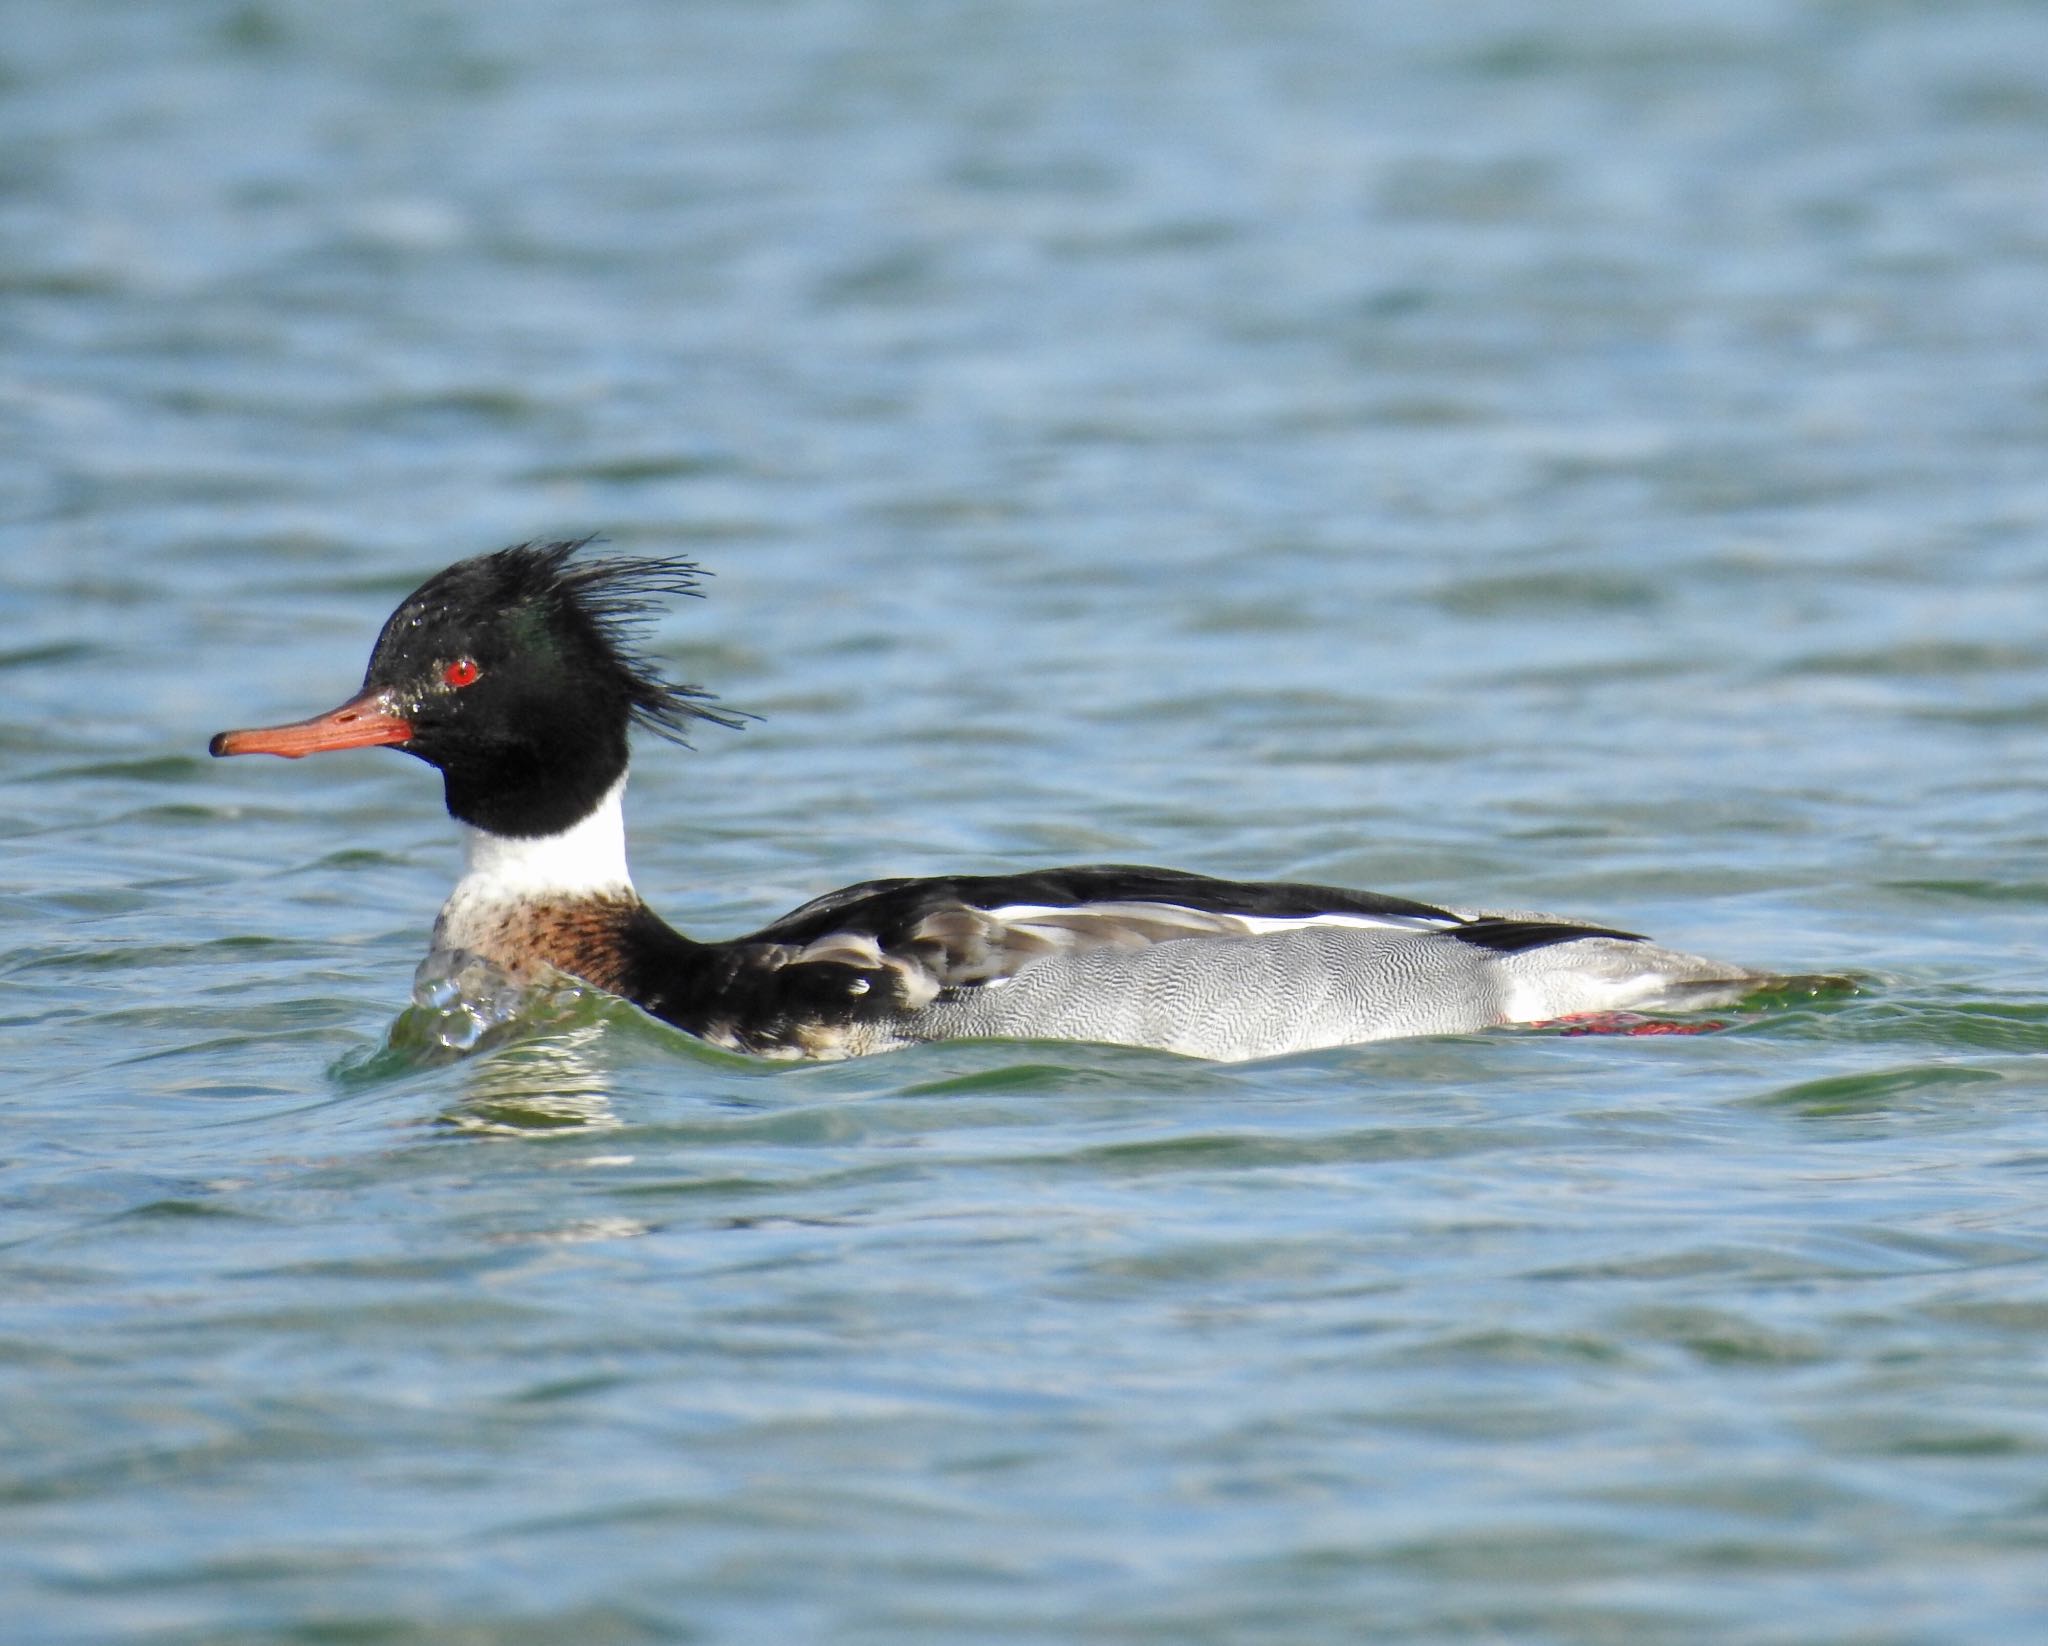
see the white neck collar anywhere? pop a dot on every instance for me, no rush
(587, 859)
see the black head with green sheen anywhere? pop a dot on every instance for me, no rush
(518, 674)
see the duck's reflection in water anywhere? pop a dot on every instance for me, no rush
(532, 1086)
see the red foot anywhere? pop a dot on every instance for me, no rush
(1625, 1023)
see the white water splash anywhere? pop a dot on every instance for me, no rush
(463, 999)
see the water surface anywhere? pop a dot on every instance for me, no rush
(1585, 457)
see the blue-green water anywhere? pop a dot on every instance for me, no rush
(1579, 456)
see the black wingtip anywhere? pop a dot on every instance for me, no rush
(1514, 936)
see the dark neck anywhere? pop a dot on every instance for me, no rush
(703, 988)
(744, 995)
(661, 971)
(522, 797)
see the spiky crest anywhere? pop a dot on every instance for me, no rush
(622, 596)
(615, 599)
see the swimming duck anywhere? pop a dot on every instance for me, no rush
(519, 674)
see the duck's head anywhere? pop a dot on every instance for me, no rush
(516, 674)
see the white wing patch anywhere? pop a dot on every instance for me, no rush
(1176, 920)
(963, 946)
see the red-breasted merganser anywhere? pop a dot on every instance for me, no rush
(518, 676)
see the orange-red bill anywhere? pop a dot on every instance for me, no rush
(363, 722)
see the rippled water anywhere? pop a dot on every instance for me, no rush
(1582, 456)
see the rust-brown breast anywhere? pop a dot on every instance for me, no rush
(582, 937)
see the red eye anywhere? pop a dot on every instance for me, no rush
(462, 672)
